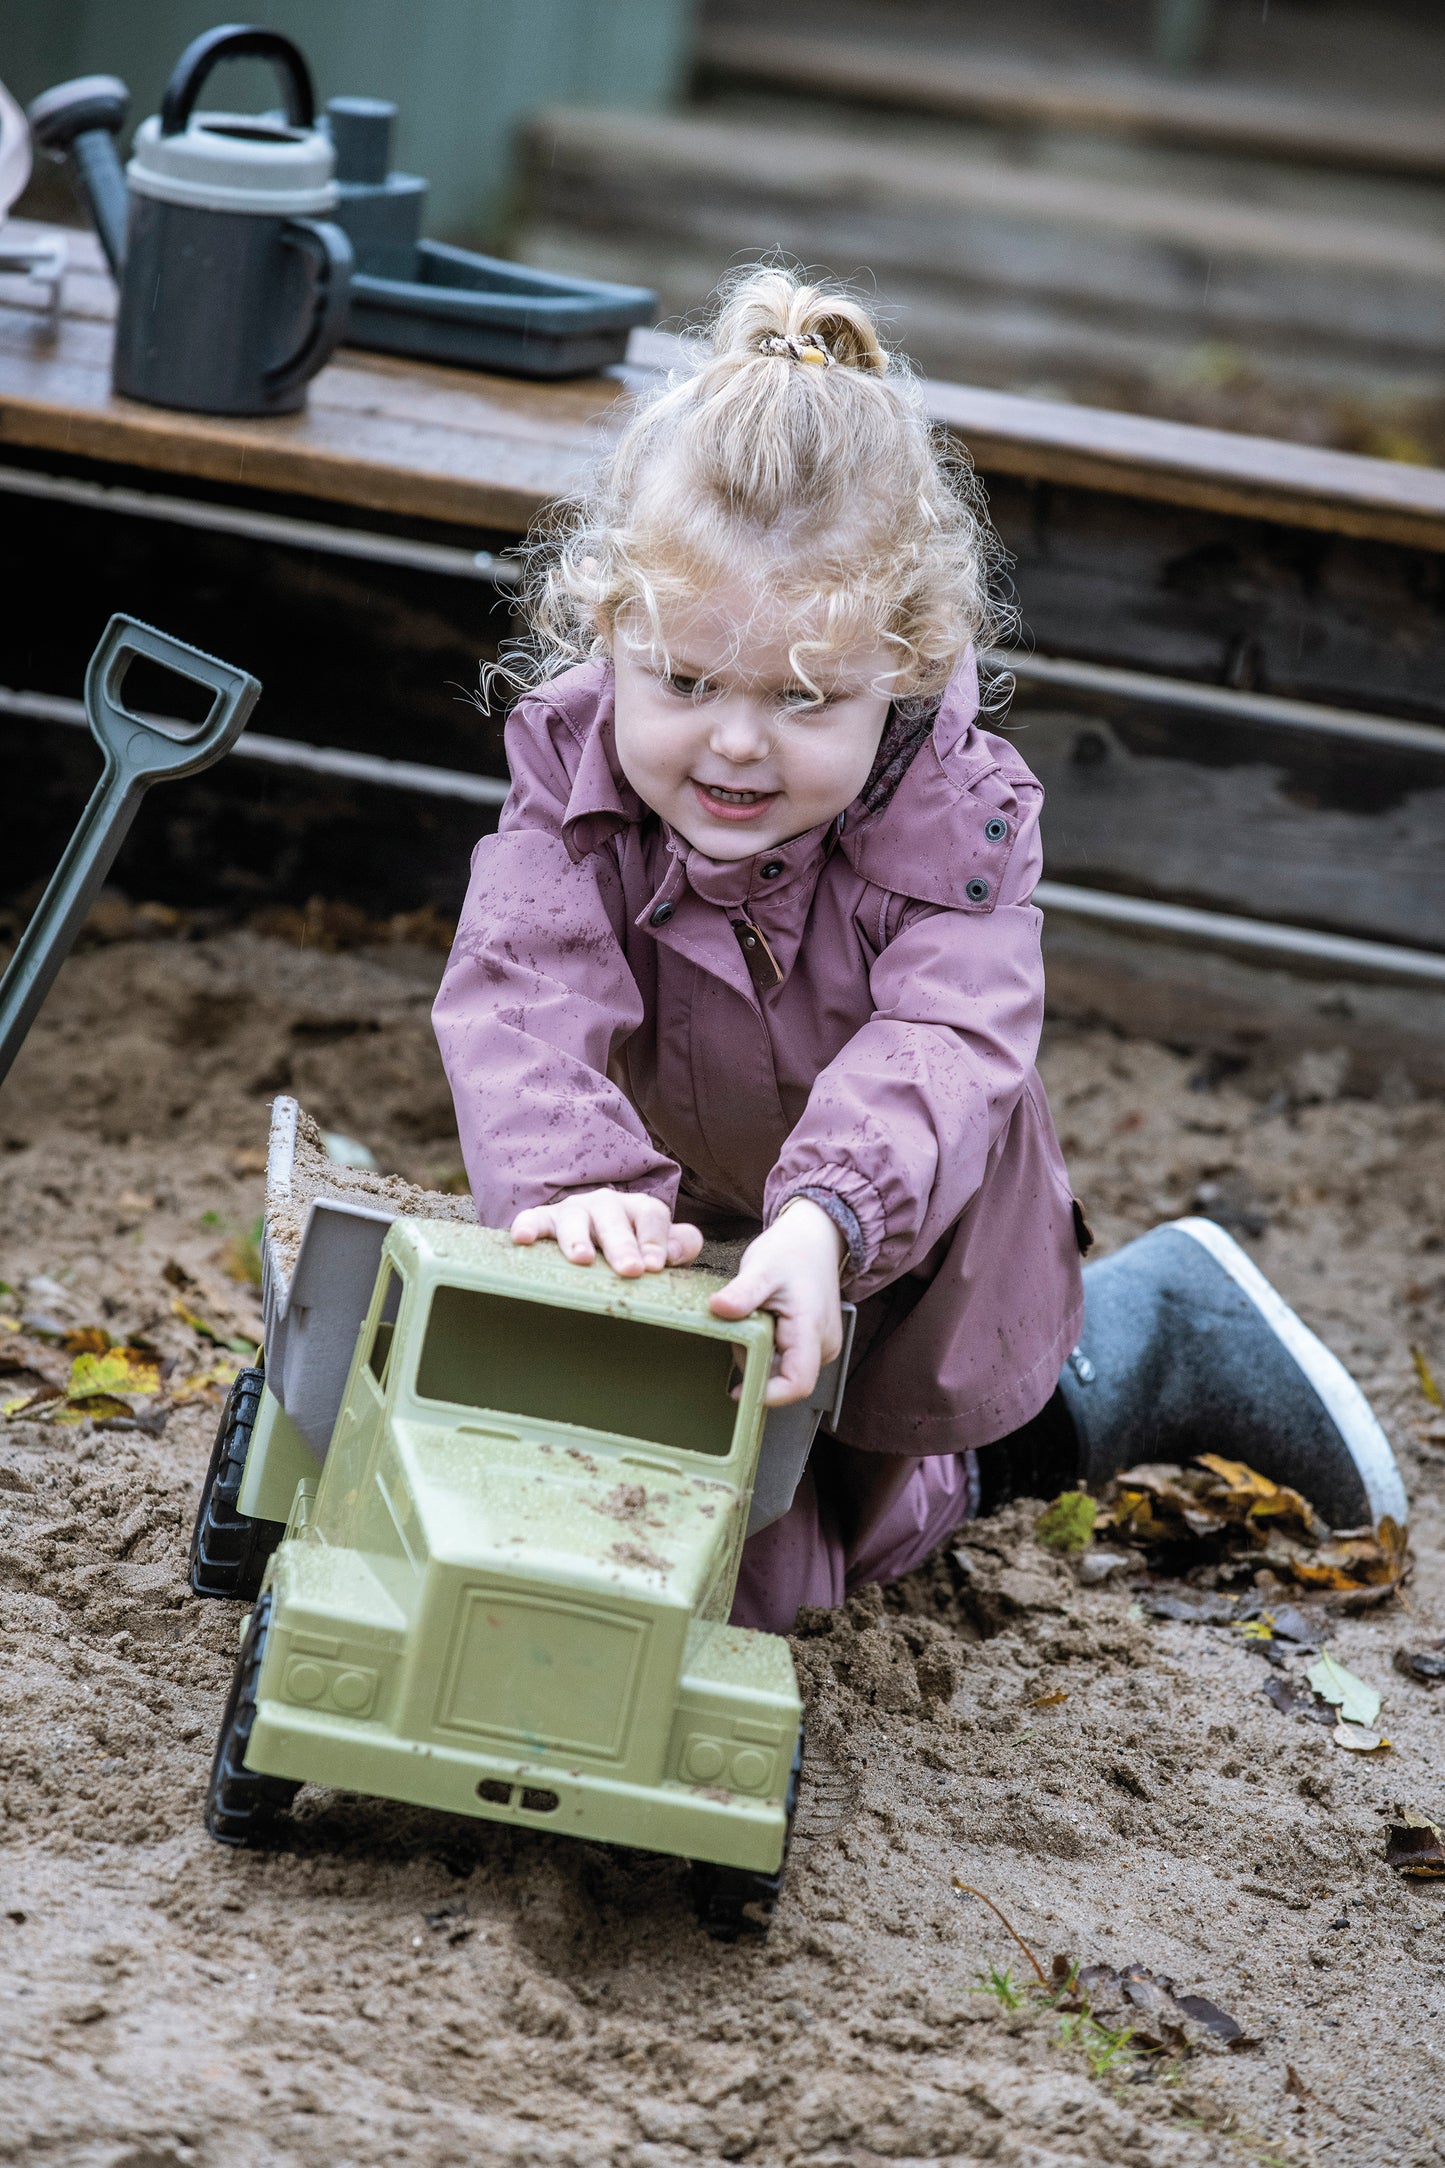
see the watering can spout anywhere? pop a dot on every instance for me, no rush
(78, 122)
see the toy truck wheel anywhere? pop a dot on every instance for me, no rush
(736, 1901)
(241, 1806)
(229, 1549)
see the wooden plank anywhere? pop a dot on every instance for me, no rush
(450, 444)
(1225, 600)
(992, 87)
(1263, 1013)
(1226, 807)
(386, 434)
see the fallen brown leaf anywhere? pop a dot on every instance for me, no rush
(1415, 1846)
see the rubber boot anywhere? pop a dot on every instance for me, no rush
(1187, 1349)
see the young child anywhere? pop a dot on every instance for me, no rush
(753, 953)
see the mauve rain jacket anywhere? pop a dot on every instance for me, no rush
(856, 1011)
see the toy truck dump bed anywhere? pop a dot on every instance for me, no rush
(514, 1494)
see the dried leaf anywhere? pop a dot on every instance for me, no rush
(1206, 1609)
(1237, 1516)
(29, 1403)
(212, 1385)
(1425, 1666)
(1214, 2020)
(86, 1340)
(1359, 1739)
(1068, 1524)
(1357, 1701)
(213, 1333)
(1424, 1373)
(118, 1370)
(92, 1407)
(1292, 1699)
(1414, 1845)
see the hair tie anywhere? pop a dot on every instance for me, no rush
(809, 348)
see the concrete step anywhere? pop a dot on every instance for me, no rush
(989, 266)
(1334, 86)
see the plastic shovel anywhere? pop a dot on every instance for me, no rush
(138, 752)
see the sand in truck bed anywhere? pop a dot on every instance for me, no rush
(390, 1986)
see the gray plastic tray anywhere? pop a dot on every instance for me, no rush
(489, 314)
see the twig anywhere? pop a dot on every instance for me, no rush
(969, 1891)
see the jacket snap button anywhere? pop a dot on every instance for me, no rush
(662, 914)
(995, 830)
(977, 891)
(772, 869)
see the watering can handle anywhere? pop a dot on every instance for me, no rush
(237, 41)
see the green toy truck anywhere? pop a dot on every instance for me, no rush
(490, 1508)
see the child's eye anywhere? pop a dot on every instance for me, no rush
(685, 688)
(797, 700)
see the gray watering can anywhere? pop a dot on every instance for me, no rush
(138, 751)
(234, 282)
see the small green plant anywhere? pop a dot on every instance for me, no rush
(1102, 2045)
(211, 1219)
(1068, 1524)
(1001, 1985)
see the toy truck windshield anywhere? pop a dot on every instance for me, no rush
(580, 1370)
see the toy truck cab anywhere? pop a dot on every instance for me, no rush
(506, 1591)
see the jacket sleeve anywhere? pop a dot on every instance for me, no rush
(899, 1126)
(536, 997)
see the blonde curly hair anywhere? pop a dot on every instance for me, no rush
(799, 450)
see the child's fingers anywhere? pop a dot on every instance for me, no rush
(572, 1222)
(652, 1223)
(612, 1219)
(746, 1292)
(800, 1348)
(533, 1225)
(684, 1243)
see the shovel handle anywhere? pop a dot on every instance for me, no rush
(137, 747)
(137, 754)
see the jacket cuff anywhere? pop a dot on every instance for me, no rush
(853, 1206)
(841, 1213)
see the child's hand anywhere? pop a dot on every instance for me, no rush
(792, 1269)
(636, 1234)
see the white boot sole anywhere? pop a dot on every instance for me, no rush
(1341, 1397)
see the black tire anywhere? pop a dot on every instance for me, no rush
(229, 1549)
(242, 1807)
(733, 1902)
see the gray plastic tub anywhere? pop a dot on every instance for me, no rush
(485, 313)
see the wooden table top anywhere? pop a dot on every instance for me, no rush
(426, 442)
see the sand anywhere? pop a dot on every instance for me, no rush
(391, 1986)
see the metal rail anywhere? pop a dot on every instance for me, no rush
(1220, 929)
(1205, 929)
(280, 527)
(1220, 703)
(293, 753)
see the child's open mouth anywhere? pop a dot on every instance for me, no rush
(732, 805)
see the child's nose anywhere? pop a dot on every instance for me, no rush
(742, 731)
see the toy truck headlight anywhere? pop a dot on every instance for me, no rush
(727, 1764)
(329, 1682)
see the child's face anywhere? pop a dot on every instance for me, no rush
(721, 738)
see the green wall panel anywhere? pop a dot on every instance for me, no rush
(462, 71)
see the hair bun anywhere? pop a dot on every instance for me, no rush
(771, 313)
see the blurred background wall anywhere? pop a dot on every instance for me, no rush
(461, 71)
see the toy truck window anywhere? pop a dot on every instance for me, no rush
(378, 1355)
(646, 1382)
